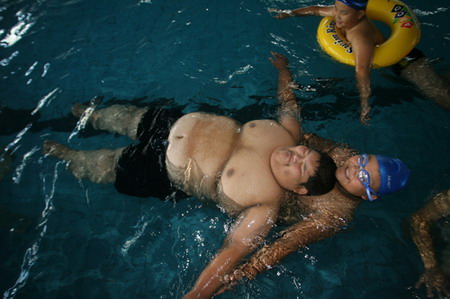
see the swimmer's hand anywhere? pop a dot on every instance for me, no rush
(364, 116)
(279, 61)
(281, 13)
(434, 281)
(230, 280)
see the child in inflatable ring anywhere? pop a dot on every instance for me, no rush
(358, 29)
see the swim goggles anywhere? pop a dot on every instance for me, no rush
(364, 177)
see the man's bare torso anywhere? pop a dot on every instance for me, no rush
(215, 157)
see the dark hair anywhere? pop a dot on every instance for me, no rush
(324, 178)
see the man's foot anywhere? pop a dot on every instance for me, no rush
(55, 149)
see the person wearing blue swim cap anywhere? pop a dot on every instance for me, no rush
(370, 176)
(315, 218)
(359, 176)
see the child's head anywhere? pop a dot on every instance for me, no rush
(347, 13)
(370, 176)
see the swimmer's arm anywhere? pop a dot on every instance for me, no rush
(298, 235)
(363, 50)
(289, 111)
(436, 208)
(248, 232)
(316, 10)
(433, 276)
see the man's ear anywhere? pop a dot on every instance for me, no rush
(301, 190)
(366, 198)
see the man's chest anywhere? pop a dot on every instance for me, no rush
(248, 180)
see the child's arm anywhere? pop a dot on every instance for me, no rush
(317, 10)
(363, 49)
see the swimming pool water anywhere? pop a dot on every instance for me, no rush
(82, 240)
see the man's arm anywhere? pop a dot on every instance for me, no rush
(249, 231)
(317, 10)
(289, 111)
(436, 208)
(290, 118)
(333, 213)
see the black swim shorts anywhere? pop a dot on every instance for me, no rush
(141, 169)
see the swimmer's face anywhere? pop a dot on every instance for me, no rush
(345, 16)
(293, 166)
(347, 176)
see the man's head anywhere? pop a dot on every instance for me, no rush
(303, 170)
(347, 13)
(370, 176)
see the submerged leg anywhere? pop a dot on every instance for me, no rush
(120, 119)
(97, 165)
(422, 74)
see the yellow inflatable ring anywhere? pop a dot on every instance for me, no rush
(405, 34)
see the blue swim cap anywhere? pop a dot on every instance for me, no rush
(394, 174)
(355, 4)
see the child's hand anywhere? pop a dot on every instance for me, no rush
(281, 14)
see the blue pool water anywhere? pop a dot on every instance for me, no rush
(82, 240)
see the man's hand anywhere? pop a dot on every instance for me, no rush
(279, 61)
(364, 116)
(230, 280)
(434, 281)
(233, 278)
(281, 14)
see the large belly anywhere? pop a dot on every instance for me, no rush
(199, 146)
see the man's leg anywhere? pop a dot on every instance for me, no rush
(422, 74)
(120, 119)
(97, 165)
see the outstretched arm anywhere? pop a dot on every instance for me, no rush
(436, 208)
(363, 49)
(290, 118)
(250, 229)
(324, 11)
(333, 213)
(289, 111)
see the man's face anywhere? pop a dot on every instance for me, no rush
(345, 16)
(292, 166)
(347, 176)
